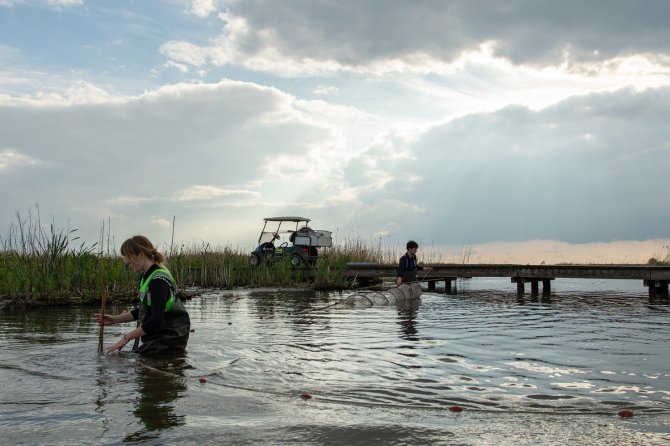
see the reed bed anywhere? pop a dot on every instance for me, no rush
(200, 265)
(46, 264)
(72, 276)
(42, 264)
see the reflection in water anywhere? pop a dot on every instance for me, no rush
(534, 299)
(160, 383)
(407, 314)
(101, 398)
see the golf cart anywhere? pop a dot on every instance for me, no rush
(289, 238)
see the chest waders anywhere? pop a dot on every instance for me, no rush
(410, 274)
(172, 305)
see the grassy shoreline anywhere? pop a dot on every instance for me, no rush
(66, 277)
(76, 278)
(48, 267)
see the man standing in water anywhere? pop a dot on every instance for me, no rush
(407, 266)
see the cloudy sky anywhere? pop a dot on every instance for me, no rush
(519, 130)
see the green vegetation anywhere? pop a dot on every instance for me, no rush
(64, 275)
(47, 265)
(203, 266)
(51, 266)
(39, 265)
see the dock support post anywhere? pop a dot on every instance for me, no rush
(534, 288)
(448, 286)
(520, 288)
(431, 285)
(534, 284)
(657, 288)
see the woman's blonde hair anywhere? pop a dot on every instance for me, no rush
(139, 244)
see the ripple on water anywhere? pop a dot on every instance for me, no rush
(499, 346)
(486, 351)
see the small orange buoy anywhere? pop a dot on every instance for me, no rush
(202, 380)
(305, 396)
(625, 413)
(456, 409)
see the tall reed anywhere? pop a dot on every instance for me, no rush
(45, 264)
(39, 263)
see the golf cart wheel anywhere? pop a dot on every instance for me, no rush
(296, 261)
(254, 260)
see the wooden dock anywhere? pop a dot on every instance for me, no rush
(656, 278)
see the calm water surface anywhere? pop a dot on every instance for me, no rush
(545, 370)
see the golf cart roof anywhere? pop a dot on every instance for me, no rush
(294, 219)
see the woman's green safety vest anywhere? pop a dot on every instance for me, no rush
(174, 332)
(145, 295)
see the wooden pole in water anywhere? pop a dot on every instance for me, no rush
(103, 298)
(172, 240)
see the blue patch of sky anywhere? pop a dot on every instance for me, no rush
(96, 41)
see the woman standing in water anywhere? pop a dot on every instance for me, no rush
(163, 323)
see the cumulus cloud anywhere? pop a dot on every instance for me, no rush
(65, 3)
(591, 168)
(229, 144)
(163, 222)
(562, 173)
(384, 35)
(179, 66)
(208, 192)
(203, 8)
(10, 158)
(184, 52)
